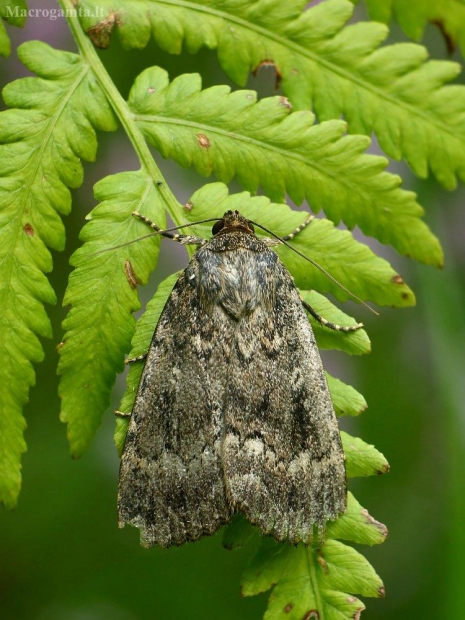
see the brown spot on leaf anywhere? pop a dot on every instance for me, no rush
(352, 599)
(288, 608)
(384, 470)
(382, 591)
(131, 275)
(28, 229)
(450, 43)
(100, 34)
(313, 613)
(189, 206)
(397, 279)
(59, 346)
(203, 140)
(284, 101)
(151, 90)
(267, 62)
(322, 562)
(379, 526)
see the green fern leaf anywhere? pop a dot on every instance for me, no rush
(448, 15)
(5, 45)
(361, 458)
(50, 127)
(324, 64)
(346, 399)
(311, 583)
(13, 12)
(265, 144)
(102, 295)
(357, 525)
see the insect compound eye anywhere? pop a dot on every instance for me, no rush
(217, 226)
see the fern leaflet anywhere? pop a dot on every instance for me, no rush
(50, 127)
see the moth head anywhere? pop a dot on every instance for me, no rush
(232, 221)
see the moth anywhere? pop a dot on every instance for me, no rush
(233, 412)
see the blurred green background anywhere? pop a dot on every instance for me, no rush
(62, 555)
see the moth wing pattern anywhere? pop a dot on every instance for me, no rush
(282, 453)
(171, 479)
(233, 412)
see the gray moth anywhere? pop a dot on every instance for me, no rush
(233, 412)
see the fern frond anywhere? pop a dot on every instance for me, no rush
(265, 144)
(325, 65)
(448, 15)
(44, 136)
(102, 295)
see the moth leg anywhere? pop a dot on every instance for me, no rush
(299, 228)
(322, 321)
(273, 242)
(132, 360)
(184, 239)
(122, 414)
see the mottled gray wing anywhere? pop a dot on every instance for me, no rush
(282, 454)
(233, 412)
(171, 483)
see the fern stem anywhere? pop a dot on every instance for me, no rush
(120, 108)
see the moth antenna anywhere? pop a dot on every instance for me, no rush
(315, 264)
(153, 234)
(123, 245)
